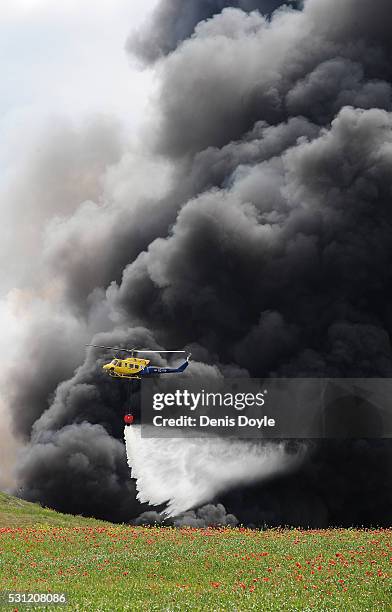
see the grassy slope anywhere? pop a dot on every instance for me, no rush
(16, 512)
(105, 567)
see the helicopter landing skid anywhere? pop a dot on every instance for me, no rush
(117, 375)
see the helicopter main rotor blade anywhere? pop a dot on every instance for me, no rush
(112, 348)
(157, 351)
(134, 350)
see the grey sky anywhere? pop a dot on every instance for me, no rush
(68, 58)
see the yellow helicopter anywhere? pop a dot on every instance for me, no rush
(134, 367)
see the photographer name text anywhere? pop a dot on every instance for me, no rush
(205, 421)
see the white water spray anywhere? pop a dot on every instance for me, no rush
(186, 472)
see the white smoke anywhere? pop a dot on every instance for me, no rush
(186, 472)
(9, 450)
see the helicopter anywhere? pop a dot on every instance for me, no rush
(134, 367)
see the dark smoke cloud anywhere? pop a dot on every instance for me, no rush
(244, 69)
(174, 20)
(207, 516)
(269, 251)
(86, 462)
(298, 252)
(343, 484)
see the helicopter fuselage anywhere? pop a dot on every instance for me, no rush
(135, 367)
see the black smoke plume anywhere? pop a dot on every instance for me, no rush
(175, 20)
(207, 516)
(269, 250)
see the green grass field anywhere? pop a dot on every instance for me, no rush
(16, 512)
(108, 567)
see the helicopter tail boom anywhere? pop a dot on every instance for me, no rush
(158, 370)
